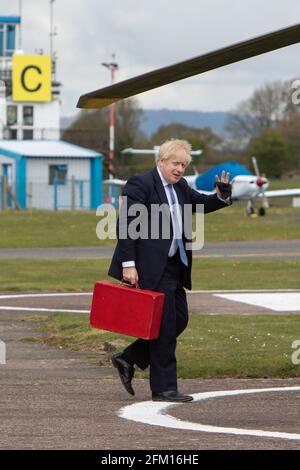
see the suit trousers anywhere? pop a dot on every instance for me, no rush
(159, 353)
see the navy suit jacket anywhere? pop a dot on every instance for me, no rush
(151, 255)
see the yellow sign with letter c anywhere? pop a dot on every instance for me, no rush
(31, 78)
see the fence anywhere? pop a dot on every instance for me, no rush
(73, 194)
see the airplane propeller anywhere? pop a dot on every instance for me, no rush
(261, 182)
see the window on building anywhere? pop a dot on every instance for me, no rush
(58, 173)
(7, 39)
(10, 39)
(2, 88)
(12, 134)
(28, 115)
(1, 40)
(27, 134)
(11, 115)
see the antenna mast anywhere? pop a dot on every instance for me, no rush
(52, 33)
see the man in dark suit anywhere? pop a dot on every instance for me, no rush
(161, 263)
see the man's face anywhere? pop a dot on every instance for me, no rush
(173, 168)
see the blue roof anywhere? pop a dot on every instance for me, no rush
(206, 181)
(10, 19)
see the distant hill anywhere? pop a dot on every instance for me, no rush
(66, 121)
(154, 118)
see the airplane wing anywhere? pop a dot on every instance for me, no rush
(188, 68)
(281, 193)
(115, 182)
(268, 194)
(191, 179)
(118, 182)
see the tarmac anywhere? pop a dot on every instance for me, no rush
(53, 398)
(199, 302)
(272, 249)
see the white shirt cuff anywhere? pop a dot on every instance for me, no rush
(128, 264)
(227, 200)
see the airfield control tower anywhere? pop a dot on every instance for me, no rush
(29, 92)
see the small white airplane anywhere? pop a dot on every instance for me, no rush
(131, 151)
(245, 187)
(249, 187)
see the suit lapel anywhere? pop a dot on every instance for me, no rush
(163, 199)
(187, 222)
(180, 195)
(160, 187)
(162, 193)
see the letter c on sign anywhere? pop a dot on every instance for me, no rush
(35, 67)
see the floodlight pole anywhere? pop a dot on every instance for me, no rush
(112, 66)
(53, 32)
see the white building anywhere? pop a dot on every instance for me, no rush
(30, 119)
(37, 170)
(51, 175)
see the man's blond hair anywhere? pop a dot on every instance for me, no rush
(170, 147)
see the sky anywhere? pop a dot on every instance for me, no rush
(146, 35)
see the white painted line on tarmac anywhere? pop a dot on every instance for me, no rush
(42, 309)
(220, 291)
(279, 302)
(154, 413)
(37, 309)
(52, 294)
(204, 291)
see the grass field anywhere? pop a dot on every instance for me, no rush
(50, 229)
(284, 184)
(80, 275)
(211, 346)
(24, 229)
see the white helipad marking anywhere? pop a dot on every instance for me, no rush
(149, 412)
(280, 302)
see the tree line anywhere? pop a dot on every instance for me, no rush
(266, 125)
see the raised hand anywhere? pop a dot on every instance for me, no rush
(224, 177)
(223, 187)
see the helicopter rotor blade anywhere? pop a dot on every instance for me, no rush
(197, 65)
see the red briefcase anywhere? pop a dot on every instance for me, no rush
(126, 310)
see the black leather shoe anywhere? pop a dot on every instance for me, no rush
(171, 395)
(126, 371)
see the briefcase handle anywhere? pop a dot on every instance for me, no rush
(128, 284)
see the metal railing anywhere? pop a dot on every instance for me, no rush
(71, 194)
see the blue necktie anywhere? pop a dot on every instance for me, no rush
(177, 230)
